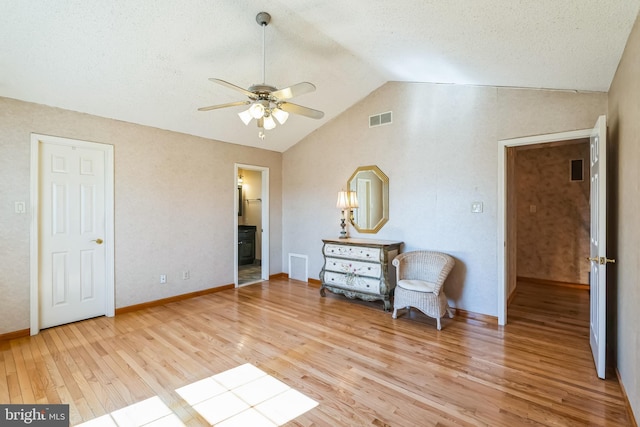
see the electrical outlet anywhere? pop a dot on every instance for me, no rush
(163, 278)
(185, 275)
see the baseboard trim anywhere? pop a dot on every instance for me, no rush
(15, 334)
(512, 295)
(176, 298)
(476, 316)
(632, 417)
(312, 282)
(553, 283)
(315, 282)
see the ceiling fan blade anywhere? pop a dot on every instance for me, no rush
(295, 90)
(230, 104)
(234, 87)
(303, 111)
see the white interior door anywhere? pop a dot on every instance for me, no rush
(598, 255)
(72, 217)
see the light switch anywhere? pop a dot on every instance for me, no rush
(476, 207)
(532, 209)
(20, 207)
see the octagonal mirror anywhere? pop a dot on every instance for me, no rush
(371, 187)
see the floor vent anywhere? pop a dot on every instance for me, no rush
(380, 119)
(298, 267)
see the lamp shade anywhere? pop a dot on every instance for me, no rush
(256, 110)
(269, 123)
(280, 115)
(353, 199)
(343, 200)
(245, 116)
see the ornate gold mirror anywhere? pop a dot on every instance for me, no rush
(371, 186)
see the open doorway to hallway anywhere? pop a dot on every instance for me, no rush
(252, 224)
(548, 208)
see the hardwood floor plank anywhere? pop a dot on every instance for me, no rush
(359, 364)
(22, 374)
(4, 386)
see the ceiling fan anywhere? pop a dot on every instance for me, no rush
(267, 102)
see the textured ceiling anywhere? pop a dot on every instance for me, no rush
(148, 61)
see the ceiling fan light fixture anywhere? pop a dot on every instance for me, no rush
(256, 110)
(269, 123)
(266, 102)
(280, 115)
(245, 116)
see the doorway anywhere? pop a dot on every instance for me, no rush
(72, 233)
(251, 224)
(548, 202)
(506, 244)
(550, 212)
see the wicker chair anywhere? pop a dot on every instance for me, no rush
(420, 283)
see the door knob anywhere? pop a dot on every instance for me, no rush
(98, 241)
(602, 260)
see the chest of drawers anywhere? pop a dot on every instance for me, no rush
(359, 268)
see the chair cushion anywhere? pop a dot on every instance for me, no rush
(417, 285)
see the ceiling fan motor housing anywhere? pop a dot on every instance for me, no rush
(263, 91)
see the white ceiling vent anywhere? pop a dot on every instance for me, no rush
(380, 119)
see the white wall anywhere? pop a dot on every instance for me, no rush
(174, 205)
(624, 173)
(440, 156)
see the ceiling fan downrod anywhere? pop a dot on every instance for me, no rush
(263, 19)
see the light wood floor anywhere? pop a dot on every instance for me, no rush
(363, 367)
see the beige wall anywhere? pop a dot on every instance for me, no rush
(174, 205)
(440, 155)
(624, 238)
(552, 213)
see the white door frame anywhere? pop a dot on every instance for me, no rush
(264, 273)
(502, 209)
(34, 261)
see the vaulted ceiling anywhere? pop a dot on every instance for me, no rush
(148, 61)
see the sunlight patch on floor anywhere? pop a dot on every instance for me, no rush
(242, 396)
(150, 412)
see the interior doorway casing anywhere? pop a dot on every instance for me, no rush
(34, 209)
(264, 274)
(504, 245)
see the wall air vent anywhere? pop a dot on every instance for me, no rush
(380, 119)
(299, 267)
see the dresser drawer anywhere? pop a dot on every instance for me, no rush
(356, 283)
(359, 268)
(352, 252)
